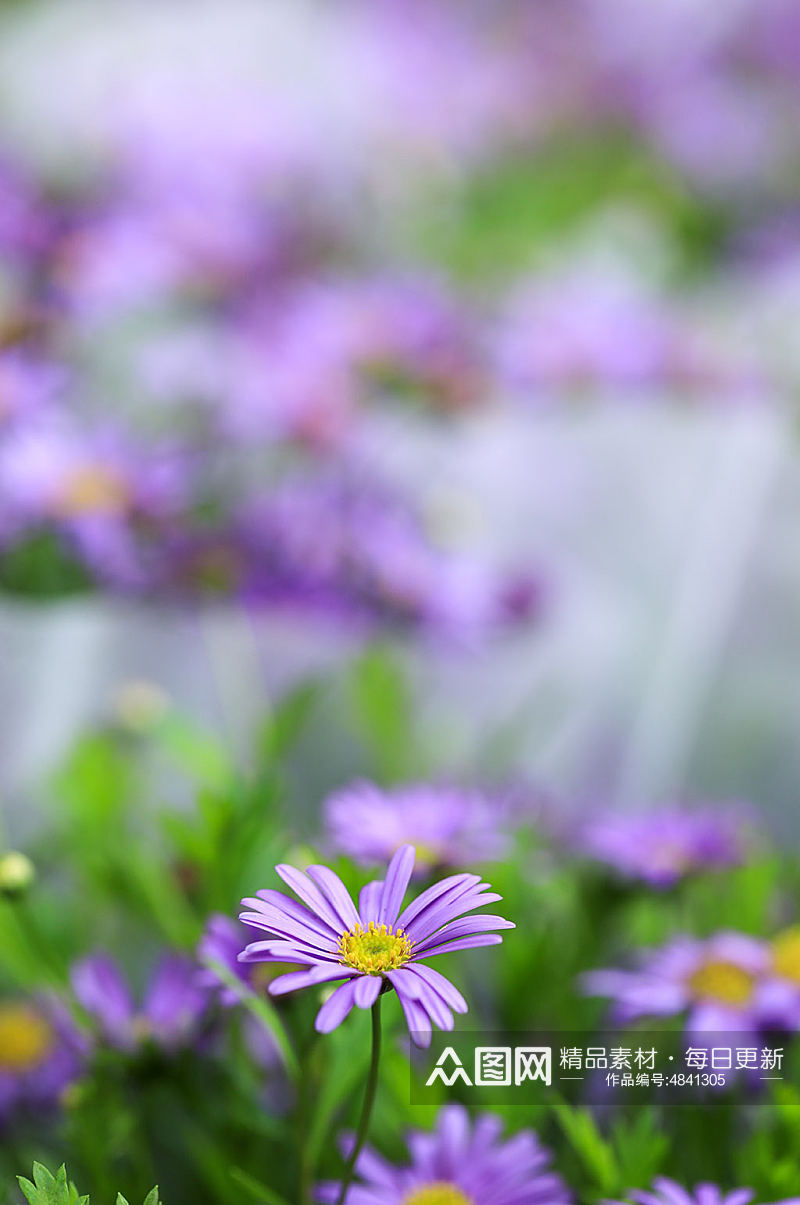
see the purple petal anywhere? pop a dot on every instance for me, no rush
(424, 995)
(417, 1019)
(367, 990)
(452, 883)
(300, 912)
(398, 877)
(336, 892)
(275, 920)
(460, 928)
(294, 980)
(175, 1000)
(466, 943)
(440, 984)
(448, 909)
(369, 901)
(336, 1007)
(100, 989)
(282, 951)
(310, 894)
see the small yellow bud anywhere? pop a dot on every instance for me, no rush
(17, 873)
(139, 705)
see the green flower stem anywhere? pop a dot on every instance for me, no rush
(262, 1009)
(369, 1101)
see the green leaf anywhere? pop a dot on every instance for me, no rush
(48, 1189)
(197, 752)
(283, 725)
(263, 1011)
(594, 1153)
(383, 709)
(257, 1190)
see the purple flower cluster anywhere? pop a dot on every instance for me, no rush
(172, 1012)
(375, 947)
(663, 845)
(726, 983)
(447, 826)
(460, 1163)
(41, 1054)
(668, 1192)
(244, 371)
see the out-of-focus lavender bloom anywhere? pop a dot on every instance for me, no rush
(172, 1012)
(24, 223)
(662, 846)
(374, 947)
(669, 1192)
(106, 497)
(27, 386)
(587, 331)
(448, 826)
(461, 1161)
(168, 249)
(360, 552)
(725, 983)
(41, 1053)
(302, 362)
(222, 943)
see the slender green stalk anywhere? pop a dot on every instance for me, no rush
(262, 1009)
(307, 1088)
(369, 1101)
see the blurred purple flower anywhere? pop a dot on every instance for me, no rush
(586, 330)
(447, 826)
(668, 1192)
(41, 1053)
(722, 983)
(662, 846)
(27, 386)
(172, 1012)
(221, 943)
(24, 221)
(460, 1162)
(374, 947)
(361, 552)
(104, 495)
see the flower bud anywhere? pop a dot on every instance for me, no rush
(17, 873)
(139, 705)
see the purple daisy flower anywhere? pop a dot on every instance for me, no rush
(668, 1192)
(362, 552)
(172, 1012)
(459, 1163)
(665, 845)
(723, 983)
(41, 1053)
(104, 495)
(378, 946)
(446, 825)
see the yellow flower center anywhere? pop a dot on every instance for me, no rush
(25, 1038)
(438, 1193)
(91, 490)
(786, 954)
(722, 981)
(374, 950)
